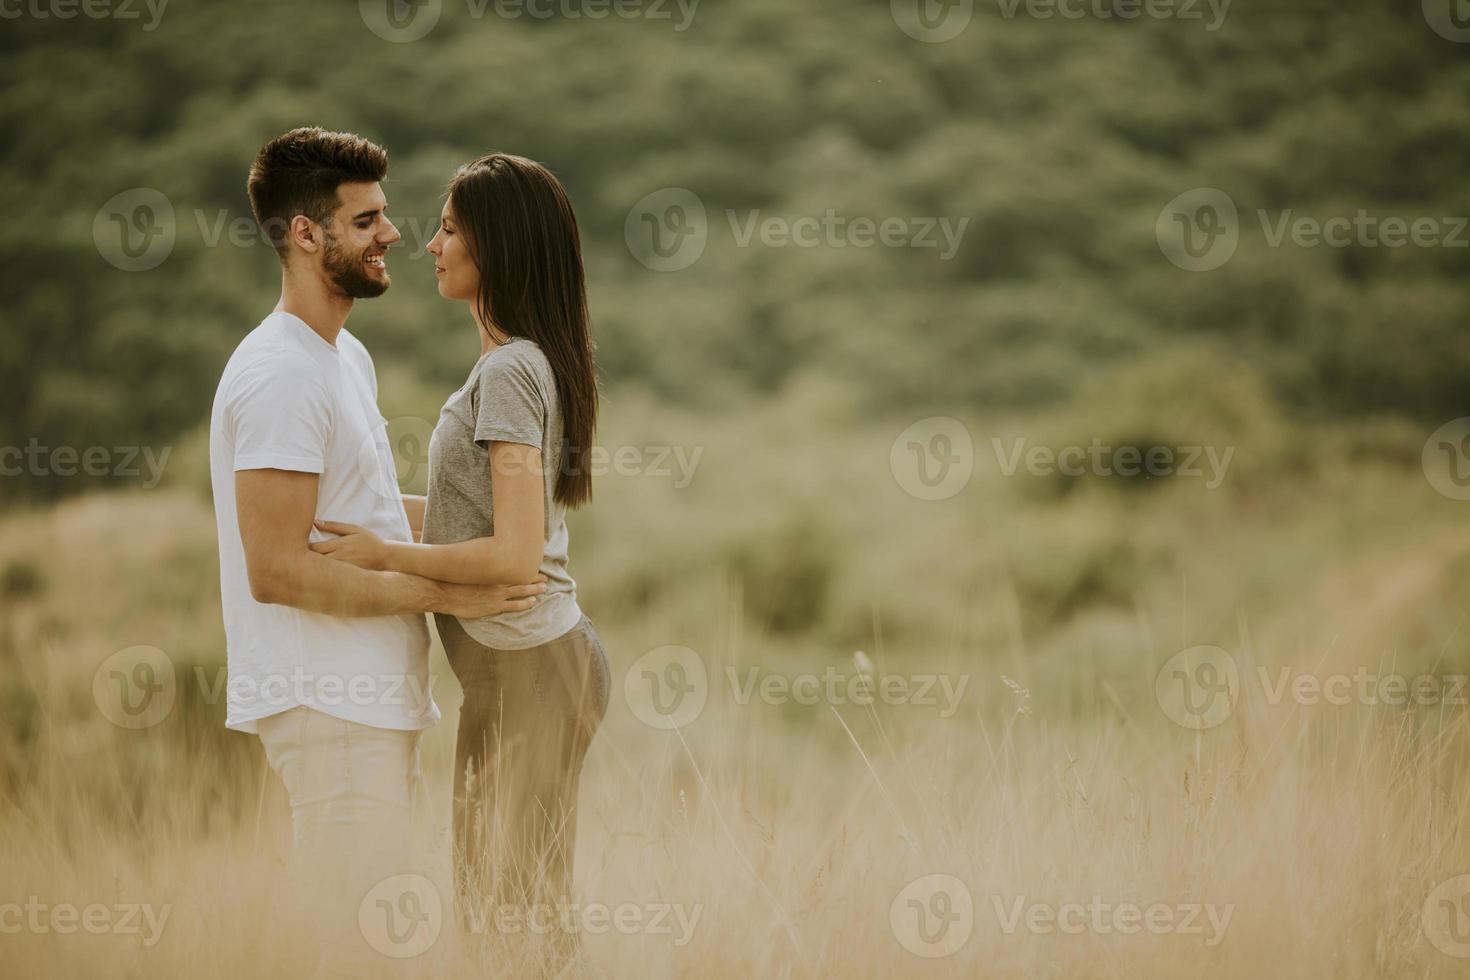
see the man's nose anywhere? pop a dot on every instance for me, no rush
(392, 233)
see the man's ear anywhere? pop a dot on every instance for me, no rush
(303, 233)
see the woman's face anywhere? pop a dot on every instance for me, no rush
(458, 277)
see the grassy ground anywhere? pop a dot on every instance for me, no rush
(1295, 838)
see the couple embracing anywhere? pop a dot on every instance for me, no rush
(325, 577)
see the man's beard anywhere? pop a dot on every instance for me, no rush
(349, 273)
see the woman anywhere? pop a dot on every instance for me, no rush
(504, 466)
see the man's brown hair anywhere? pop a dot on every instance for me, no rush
(298, 173)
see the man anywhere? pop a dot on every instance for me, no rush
(328, 662)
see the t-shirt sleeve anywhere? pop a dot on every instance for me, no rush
(280, 416)
(512, 406)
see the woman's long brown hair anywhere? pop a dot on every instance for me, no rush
(523, 237)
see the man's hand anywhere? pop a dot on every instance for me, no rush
(478, 601)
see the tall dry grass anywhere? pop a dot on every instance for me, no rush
(1321, 836)
(1316, 834)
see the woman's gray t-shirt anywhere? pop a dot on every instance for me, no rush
(510, 397)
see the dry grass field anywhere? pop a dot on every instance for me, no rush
(1030, 802)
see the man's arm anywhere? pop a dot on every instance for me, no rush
(275, 510)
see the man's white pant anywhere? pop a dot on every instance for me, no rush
(351, 789)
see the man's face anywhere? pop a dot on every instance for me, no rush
(357, 239)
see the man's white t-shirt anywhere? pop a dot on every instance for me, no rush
(289, 400)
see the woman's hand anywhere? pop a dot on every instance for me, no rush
(355, 545)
